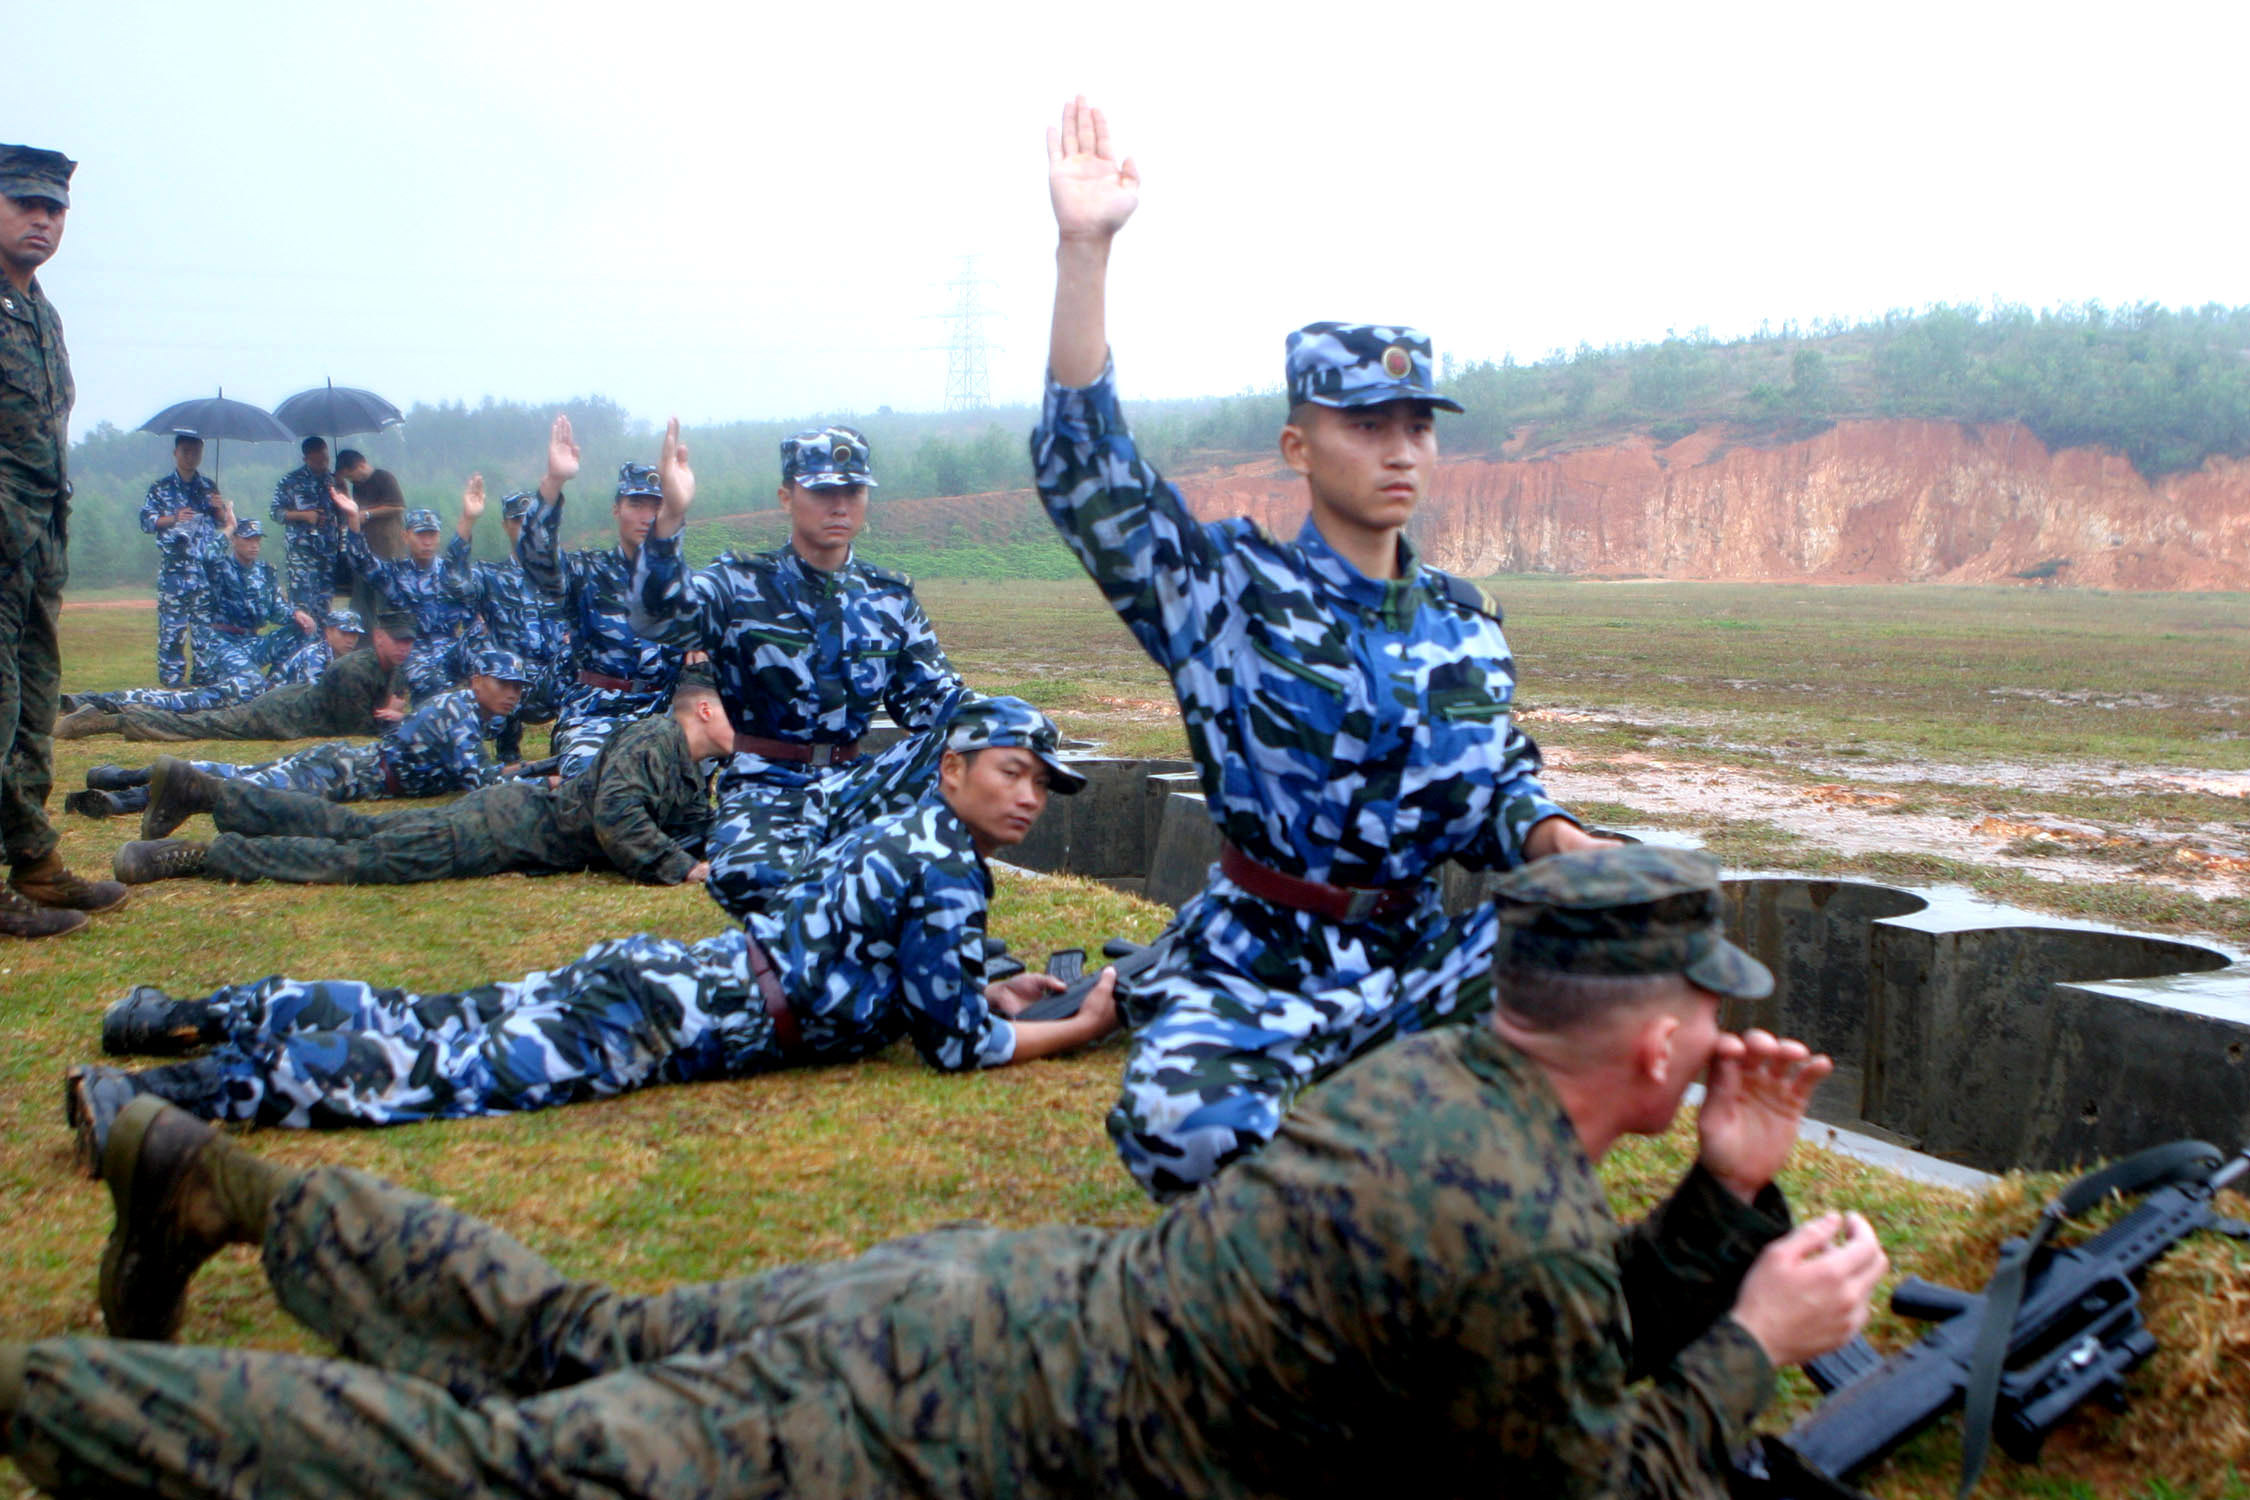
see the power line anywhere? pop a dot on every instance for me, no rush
(968, 383)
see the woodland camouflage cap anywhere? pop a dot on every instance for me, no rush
(1639, 909)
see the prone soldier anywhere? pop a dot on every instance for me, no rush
(180, 510)
(1421, 1268)
(303, 660)
(312, 528)
(616, 676)
(1346, 705)
(885, 939)
(807, 642)
(362, 693)
(643, 808)
(42, 897)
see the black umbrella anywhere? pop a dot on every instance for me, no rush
(217, 419)
(333, 411)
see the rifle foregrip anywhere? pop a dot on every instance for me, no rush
(1930, 1302)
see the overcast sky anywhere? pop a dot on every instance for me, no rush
(754, 211)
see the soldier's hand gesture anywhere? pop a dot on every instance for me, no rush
(562, 459)
(348, 508)
(677, 480)
(472, 497)
(1754, 1099)
(1093, 192)
(225, 509)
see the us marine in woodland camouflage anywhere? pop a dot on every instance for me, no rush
(346, 699)
(302, 662)
(885, 939)
(807, 642)
(1421, 1263)
(643, 808)
(1347, 708)
(615, 676)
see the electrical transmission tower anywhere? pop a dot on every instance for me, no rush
(968, 386)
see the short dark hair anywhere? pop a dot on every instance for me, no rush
(1551, 1000)
(350, 456)
(182, 439)
(306, 447)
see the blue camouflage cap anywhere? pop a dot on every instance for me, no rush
(638, 479)
(518, 505)
(1361, 364)
(29, 172)
(505, 665)
(826, 458)
(248, 526)
(347, 621)
(991, 723)
(1639, 909)
(420, 519)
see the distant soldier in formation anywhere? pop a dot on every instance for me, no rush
(312, 529)
(643, 809)
(1346, 705)
(1419, 1284)
(514, 614)
(808, 643)
(885, 940)
(616, 675)
(42, 897)
(363, 693)
(432, 582)
(180, 511)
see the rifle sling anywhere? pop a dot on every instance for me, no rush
(2158, 1166)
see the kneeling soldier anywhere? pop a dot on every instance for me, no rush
(352, 697)
(1422, 1262)
(885, 940)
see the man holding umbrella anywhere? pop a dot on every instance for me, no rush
(42, 897)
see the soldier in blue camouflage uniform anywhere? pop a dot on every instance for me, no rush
(1420, 1276)
(180, 511)
(514, 614)
(304, 503)
(1347, 708)
(435, 586)
(615, 675)
(884, 940)
(245, 598)
(807, 642)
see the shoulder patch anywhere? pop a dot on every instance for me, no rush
(1470, 596)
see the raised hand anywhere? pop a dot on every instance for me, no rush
(1093, 192)
(1753, 1101)
(305, 622)
(677, 481)
(562, 458)
(472, 497)
(348, 508)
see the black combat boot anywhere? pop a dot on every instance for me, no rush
(117, 778)
(177, 791)
(25, 919)
(150, 1023)
(146, 860)
(93, 804)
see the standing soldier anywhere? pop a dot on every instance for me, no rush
(1346, 705)
(617, 676)
(514, 614)
(807, 642)
(180, 510)
(434, 589)
(304, 504)
(42, 897)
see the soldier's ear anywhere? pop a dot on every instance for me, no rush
(1293, 448)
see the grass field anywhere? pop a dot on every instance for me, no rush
(697, 1182)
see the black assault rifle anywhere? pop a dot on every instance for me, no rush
(2055, 1328)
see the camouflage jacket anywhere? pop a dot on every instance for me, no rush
(303, 662)
(1420, 1275)
(439, 747)
(516, 616)
(886, 938)
(302, 489)
(438, 596)
(1346, 729)
(181, 546)
(245, 595)
(595, 585)
(800, 655)
(347, 695)
(36, 394)
(642, 809)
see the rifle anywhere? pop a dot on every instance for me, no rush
(538, 770)
(2055, 1328)
(1129, 959)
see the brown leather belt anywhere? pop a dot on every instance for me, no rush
(232, 629)
(1338, 903)
(606, 684)
(811, 755)
(785, 1031)
(391, 782)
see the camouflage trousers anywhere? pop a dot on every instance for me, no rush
(630, 1012)
(283, 835)
(179, 700)
(589, 716)
(221, 654)
(182, 604)
(31, 586)
(772, 818)
(472, 1367)
(284, 713)
(1255, 1002)
(334, 770)
(311, 569)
